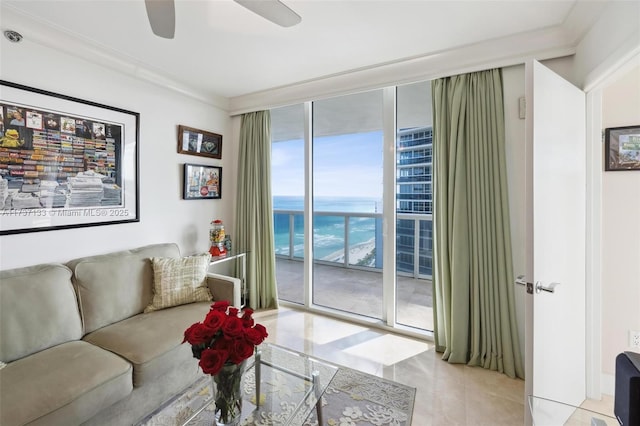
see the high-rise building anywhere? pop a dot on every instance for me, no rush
(414, 200)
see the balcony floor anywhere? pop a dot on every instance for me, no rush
(357, 291)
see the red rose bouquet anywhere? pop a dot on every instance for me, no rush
(224, 337)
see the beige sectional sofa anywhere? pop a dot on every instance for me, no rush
(78, 348)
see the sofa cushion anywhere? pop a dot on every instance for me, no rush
(116, 286)
(38, 310)
(63, 385)
(152, 342)
(178, 281)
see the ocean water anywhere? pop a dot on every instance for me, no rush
(328, 232)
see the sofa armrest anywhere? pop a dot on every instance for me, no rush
(224, 287)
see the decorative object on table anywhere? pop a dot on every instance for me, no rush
(228, 394)
(202, 182)
(198, 142)
(97, 185)
(622, 148)
(217, 237)
(227, 242)
(223, 342)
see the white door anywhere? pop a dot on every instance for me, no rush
(556, 146)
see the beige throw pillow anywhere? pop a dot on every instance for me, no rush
(178, 281)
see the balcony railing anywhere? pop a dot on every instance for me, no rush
(361, 233)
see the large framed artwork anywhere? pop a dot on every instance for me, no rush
(622, 148)
(199, 142)
(65, 162)
(202, 182)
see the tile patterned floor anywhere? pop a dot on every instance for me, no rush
(447, 394)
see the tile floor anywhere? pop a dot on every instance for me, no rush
(447, 394)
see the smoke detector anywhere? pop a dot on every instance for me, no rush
(13, 36)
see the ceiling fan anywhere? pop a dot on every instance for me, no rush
(162, 14)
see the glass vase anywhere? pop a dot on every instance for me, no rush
(228, 394)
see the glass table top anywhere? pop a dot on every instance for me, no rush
(287, 393)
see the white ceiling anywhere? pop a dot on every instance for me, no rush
(221, 48)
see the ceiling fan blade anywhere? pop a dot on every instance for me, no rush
(162, 17)
(272, 10)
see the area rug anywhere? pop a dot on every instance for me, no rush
(353, 398)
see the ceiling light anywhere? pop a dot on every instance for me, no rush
(13, 36)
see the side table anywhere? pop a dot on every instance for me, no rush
(240, 270)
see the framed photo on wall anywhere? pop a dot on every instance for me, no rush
(65, 162)
(622, 148)
(199, 142)
(202, 182)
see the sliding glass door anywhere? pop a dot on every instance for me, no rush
(414, 206)
(347, 203)
(344, 158)
(287, 180)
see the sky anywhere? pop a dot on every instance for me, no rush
(344, 166)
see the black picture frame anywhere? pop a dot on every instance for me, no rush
(202, 182)
(199, 142)
(65, 162)
(622, 148)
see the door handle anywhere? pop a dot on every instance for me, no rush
(551, 288)
(520, 280)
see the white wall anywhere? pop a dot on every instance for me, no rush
(620, 228)
(165, 217)
(610, 41)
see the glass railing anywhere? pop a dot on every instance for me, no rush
(354, 240)
(414, 160)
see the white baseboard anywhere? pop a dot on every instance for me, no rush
(608, 384)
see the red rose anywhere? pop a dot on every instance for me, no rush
(240, 350)
(232, 328)
(247, 320)
(262, 330)
(214, 320)
(222, 345)
(253, 336)
(233, 312)
(212, 361)
(220, 305)
(196, 334)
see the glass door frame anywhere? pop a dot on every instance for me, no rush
(388, 201)
(389, 273)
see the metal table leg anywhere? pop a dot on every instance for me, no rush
(257, 371)
(315, 377)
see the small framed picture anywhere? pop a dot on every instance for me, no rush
(198, 142)
(622, 148)
(202, 182)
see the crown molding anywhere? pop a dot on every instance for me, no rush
(542, 44)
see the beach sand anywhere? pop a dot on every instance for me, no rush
(357, 253)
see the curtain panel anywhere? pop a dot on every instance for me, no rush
(254, 210)
(474, 307)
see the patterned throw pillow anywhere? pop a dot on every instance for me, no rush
(178, 281)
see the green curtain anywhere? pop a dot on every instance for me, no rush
(254, 210)
(474, 307)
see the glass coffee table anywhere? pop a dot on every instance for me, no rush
(548, 412)
(288, 384)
